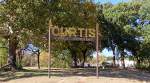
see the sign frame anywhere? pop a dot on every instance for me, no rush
(97, 48)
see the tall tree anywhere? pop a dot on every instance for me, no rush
(21, 16)
(117, 19)
(78, 14)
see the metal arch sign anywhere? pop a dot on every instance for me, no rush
(72, 33)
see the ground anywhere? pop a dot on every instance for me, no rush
(80, 75)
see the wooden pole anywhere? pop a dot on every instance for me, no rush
(97, 57)
(49, 50)
(1, 61)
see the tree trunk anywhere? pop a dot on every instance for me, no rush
(21, 53)
(19, 58)
(114, 59)
(74, 58)
(122, 60)
(73, 54)
(84, 57)
(138, 62)
(83, 63)
(12, 53)
(38, 60)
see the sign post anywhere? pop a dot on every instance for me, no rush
(49, 50)
(97, 56)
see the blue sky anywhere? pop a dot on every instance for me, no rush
(105, 1)
(112, 1)
(105, 52)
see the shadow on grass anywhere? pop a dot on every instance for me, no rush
(85, 72)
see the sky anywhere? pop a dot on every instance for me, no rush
(112, 1)
(104, 52)
(107, 53)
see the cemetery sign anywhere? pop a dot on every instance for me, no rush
(73, 33)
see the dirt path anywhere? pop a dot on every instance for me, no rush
(75, 76)
(74, 79)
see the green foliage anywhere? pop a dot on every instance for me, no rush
(28, 19)
(116, 28)
(61, 59)
(29, 22)
(3, 52)
(121, 13)
(144, 10)
(73, 14)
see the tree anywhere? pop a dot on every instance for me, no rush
(144, 13)
(23, 17)
(117, 19)
(75, 14)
